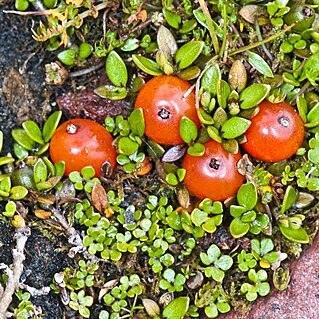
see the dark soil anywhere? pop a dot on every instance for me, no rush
(23, 95)
(22, 90)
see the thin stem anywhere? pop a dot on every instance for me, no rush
(260, 38)
(210, 25)
(257, 44)
(224, 16)
(86, 71)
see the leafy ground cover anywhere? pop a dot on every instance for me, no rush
(139, 244)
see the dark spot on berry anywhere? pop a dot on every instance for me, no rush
(164, 114)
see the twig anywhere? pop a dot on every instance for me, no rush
(222, 51)
(304, 88)
(34, 292)
(260, 38)
(74, 237)
(257, 44)
(210, 25)
(86, 71)
(14, 272)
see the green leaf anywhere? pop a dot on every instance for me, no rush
(33, 131)
(215, 273)
(22, 138)
(237, 211)
(111, 92)
(127, 146)
(298, 235)
(313, 114)
(198, 217)
(173, 19)
(213, 252)
(214, 134)
(248, 217)
(210, 225)
(234, 127)
(224, 262)
(253, 95)
(137, 123)
(188, 53)
(247, 196)
(146, 65)
(21, 5)
(223, 93)
(172, 179)
(302, 107)
(211, 78)
(263, 289)
(238, 229)
(204, 117)
(116, 69)
(18, 192)
(188, 130)
(85, 50)
(177, 308)
(313, 155)
(259, 64)
(266, 245)
(197, 149)
(67, 57)
(40, 171)
(289, 199)
(310, 70)
(50, 125)
(211, 311)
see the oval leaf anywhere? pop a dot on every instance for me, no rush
(188, 130)
(40, 171)
(259, 64)
(146, 65)
(174, 153)
(198, 149)
(188, 53)
(214, 134)
(116, 69)
(33, 131)
(253, 95)
(234, 127)
(173, 19)
(313, 115)
(247, 196)
(177, 308)
(289, 198)
(21, 137)
(238, 229)
(50, 125)
(111, 92)
(137, 123)
(166, 41)
(18, 192)
(298, 235)
(211, 78)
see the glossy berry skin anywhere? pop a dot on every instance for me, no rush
(164, 101)
(213, 175)
(276, 132)
(80, 143)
